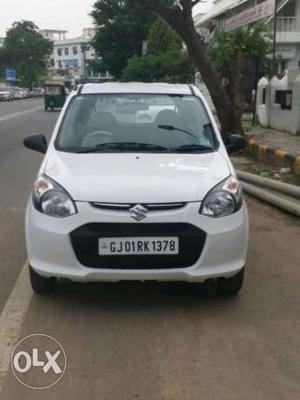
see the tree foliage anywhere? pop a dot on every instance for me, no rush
(27, 51)
(162, 38)
(121, 29)
(165, 60)
(251, 41)
(172, 67)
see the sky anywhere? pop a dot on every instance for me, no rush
(71, 15)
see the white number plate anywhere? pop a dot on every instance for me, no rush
(138, 246)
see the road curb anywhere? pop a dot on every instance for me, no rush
(275, 156)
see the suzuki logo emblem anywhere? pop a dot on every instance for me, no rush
(138, 212)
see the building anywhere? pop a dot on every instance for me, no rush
(53, 34)
(73, 58)
(232, 14)
(88, 33)
(1, 42)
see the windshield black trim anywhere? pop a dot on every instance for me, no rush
(80, 89)
(192, 90)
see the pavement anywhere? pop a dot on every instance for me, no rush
(274, 147)
(150, 341)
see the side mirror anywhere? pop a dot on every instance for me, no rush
(235, 143)
(36, 143)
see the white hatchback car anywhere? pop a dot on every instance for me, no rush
(119, 197)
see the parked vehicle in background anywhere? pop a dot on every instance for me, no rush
(6, 93)
(18, 93)
(27, 93)
(37, 92)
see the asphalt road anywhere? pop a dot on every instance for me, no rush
(151, 341)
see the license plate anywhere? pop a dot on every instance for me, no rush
(139, 246)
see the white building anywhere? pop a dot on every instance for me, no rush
(72, 58)
(232, 14)
(1, 41)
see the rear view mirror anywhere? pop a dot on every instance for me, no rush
(235, 143)
(36, 143)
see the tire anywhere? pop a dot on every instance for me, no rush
(231, 286)
(39, 284)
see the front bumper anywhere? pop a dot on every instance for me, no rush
(51, 252)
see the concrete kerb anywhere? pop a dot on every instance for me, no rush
(274, 156)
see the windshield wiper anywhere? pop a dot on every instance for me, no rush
(174, 128)
(122, 146)
(192, 148)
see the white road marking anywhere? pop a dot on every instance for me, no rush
(11, 320)
(19, 113)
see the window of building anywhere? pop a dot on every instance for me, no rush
(264, 94)
(289, 10)
(282, 67)
(59, 52)
(60, 64)
(75, 50)
(66, 51)
(284, 98)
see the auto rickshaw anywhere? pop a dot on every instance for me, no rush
(55, 94)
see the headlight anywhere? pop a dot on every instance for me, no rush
(224, 199)
(51, 199)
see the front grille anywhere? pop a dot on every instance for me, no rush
(149, 207)
(85, 244)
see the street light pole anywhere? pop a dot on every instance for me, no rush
(274, 38)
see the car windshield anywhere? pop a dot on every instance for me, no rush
(136, 122)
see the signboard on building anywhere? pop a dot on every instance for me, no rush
(10, 74)
(262, 10)
(71, 63)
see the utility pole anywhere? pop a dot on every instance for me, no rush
(274, 38)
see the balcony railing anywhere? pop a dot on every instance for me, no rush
(288, 24)
(288, 29)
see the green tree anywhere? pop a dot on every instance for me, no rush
(252, 41)
(121, 29)
(27, 51)
(172, 67)
(229, 52)
(162, 38)
(165, 61)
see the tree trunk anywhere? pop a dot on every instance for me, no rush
(235, 91)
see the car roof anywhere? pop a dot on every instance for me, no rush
(136, 87)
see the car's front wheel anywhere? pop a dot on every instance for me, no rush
(40, 284)
(231, 286)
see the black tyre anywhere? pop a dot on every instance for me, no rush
(40, 284)
(231, 286)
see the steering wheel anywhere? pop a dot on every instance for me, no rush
(96, 137)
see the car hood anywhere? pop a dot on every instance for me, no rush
(137, 178)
